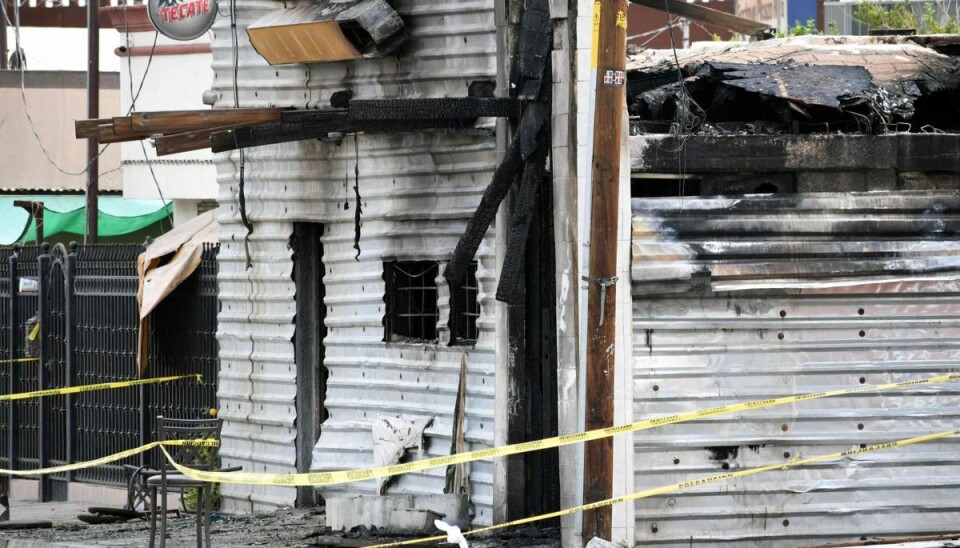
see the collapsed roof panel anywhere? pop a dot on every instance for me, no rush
(800, 85)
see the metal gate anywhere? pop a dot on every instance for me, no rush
(85, 300)
(55, 293)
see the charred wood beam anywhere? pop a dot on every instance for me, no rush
(455, 108)
(764, 153)
(531, 133)
(533, 48)
(410, 109)
(711, 16)
(510, 287)
(368, 116)
(270, 134)
(503, 178)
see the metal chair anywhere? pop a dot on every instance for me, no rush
(194, 456)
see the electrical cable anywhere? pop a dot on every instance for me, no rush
(659, 31)
(649, 32)
(235, 43)
(687, 121)
(23, 98)
(134, 97)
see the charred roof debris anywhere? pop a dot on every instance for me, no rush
(817, 84)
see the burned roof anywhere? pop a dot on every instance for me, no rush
(807, 84)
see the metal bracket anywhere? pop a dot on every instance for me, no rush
(604, 283)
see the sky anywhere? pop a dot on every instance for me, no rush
(65, 49)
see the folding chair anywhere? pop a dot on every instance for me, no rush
(200, 457)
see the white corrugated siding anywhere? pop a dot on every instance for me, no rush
(418, 191)
(697, 347)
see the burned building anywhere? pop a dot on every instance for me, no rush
(405, 233)
(793, 232)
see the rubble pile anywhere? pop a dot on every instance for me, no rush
(812, 84)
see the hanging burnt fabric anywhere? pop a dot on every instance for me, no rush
(316, 32)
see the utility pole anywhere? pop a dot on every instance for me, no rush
(93, 112)
(3, 42)
(609, 60)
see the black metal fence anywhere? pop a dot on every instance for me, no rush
(85, 299)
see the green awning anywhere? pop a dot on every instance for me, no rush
(67, 214)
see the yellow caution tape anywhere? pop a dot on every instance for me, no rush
(34, 332)
(106, 460)
(595, 43)
(92, 387)
(20, 360)
(348, 476)
(672, 488)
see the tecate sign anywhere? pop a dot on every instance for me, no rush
(182, 19)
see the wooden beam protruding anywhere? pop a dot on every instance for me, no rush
(88, 129)
(187, 141)
(182, 121)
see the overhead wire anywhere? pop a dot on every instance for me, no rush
(23, 98)
(135, 96)
(235, 44)
(686, 120)
(15, 23)
(26, 109)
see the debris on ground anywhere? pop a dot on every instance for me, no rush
(287, 528)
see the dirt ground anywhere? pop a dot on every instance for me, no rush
(285, 528)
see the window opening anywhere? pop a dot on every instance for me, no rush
(465, 309)
(411, 299)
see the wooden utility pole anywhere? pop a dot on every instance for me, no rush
(3, 43)
(93, 112)
(609, 60)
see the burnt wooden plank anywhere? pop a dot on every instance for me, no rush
(711, 16)
(510, 287)
(503, 178)
(181, 121)
(89, 129)
(187, 141)
(764, 153)
(533, 49)
(269, 134)
(439, 108)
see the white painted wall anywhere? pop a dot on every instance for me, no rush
(173, 82)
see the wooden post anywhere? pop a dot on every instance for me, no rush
(35, 209)
(93, 111)
(609, 60)
(3, 43)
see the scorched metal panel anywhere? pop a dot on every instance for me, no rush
(746, 298)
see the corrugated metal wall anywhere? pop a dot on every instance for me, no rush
(711, 327)
(418, 190)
